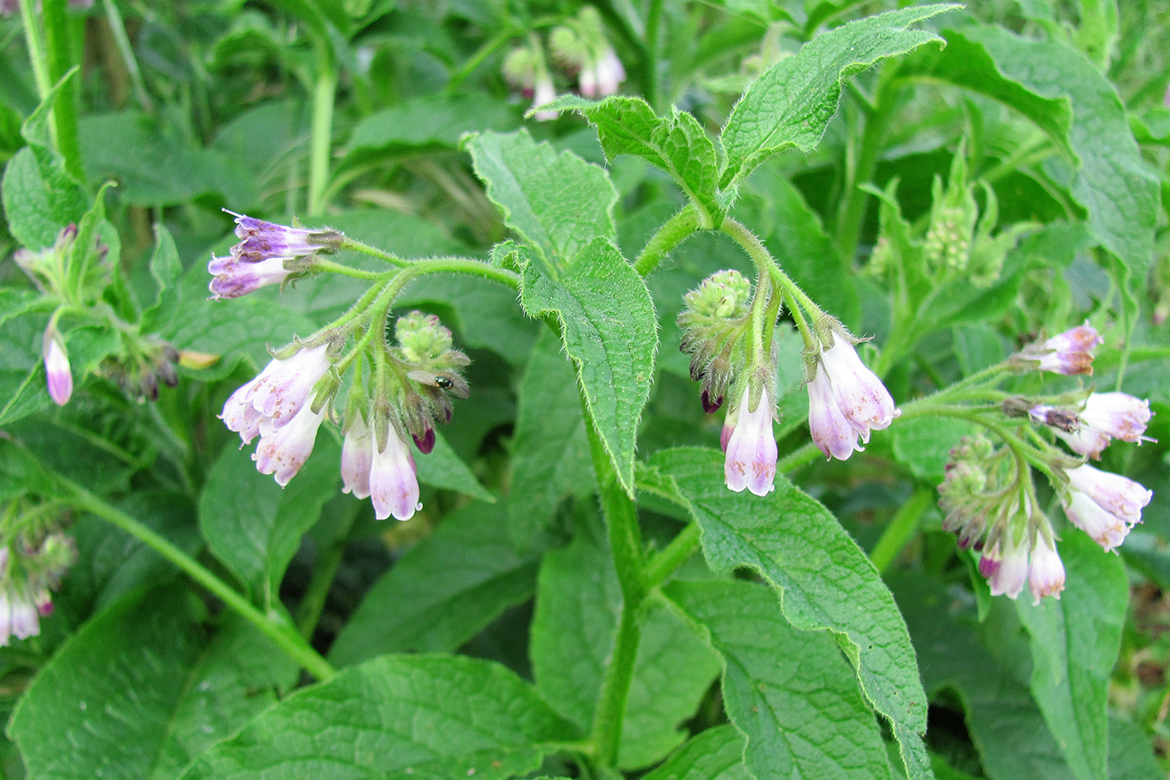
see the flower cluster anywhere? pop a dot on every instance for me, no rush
(1103, 505)
(267, 254)
(27, 573)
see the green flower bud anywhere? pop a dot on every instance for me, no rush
(422, 337)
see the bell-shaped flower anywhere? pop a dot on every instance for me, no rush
(1046, 573)
(283, 452)
(18, 617)
(1104, 505)
(235, 278)
(833, 434)
(267, 403)
(587, 81)
(393, 480)
(750, 460)
(1011, 570)
(860, 395)
(545, 92)
(610, 73)
(262, 241)
(1070, 352)
(1107, 416)
(357, 457)
(58, 375)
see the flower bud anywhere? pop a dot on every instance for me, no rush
(1046, 573)
(58, 375)
(262, 241)
(751, 450)
(1067, 353)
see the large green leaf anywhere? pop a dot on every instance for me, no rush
(790, 692)
(39, 200)
(442, 592)
(578, 602)
(1075, 641)
(1002, 718)
(138, 692)
(557, 203)
(550, 449)
(677, 144)
(397, 718)
(715, 754)
(1131, 756)
(793, 101)
(1068, 98)
(610, 331)
(442, 468)
(826, 582)
(253, 525)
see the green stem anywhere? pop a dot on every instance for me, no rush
(36, 49)
(321, 139)
(670, 235)
(345, 270)
(313, 604)
(653, 28)
(674, 555)
(900, 530)
(373, 251)
(60, 60)
(767, 264)
(122, 40)
(282, 635)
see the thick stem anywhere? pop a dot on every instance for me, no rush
(309, 612)
(321, 140)
(670, 235)
(60, 60)
(900, 530)
(674, 555)
(281, 634)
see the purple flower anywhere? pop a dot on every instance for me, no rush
(235, 278)
(1066, 353)
(751, 450)
(276, 395)
(831, 431)
(1046, 574)
(283, 452)
(57, 372)
(1107, 416)
(393, 480)
(262, 241)
(1104, 505)
(357, 456)
(20, 607)
(1010, 571)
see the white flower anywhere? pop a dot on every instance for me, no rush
(834, 435)
(751, 450)
(587, 82)
(273, 398)
(1046, 574)
(57, 373)
(357, 456)
(1104, 505)
(610, 74)
(545, 92)
(1107, 416)
(283, 452)
(1010, 574)
(393, 482)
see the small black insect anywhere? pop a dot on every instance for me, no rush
(444, 382)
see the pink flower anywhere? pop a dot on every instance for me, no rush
(1104, 505)
(283, 452)
(357, 456)
(1070, 352)
(57, 373)
(20, 607)
(1107, 416)
(276, 395)
(545, 92)
(751, 450)
(393, 481)
(1046, 574)
(1011, 572)
(610, 74)
(833, 434)
(235, 278)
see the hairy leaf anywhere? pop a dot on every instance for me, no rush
(715, 754)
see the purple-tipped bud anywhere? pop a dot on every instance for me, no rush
(751, 450)
(357, 457)
(57, 372)
(393, 481)
(426, 442)
(709, 406)
(284, 452)
(235, 278)
(989, 561)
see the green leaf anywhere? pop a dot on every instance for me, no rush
(1131, 756)
(1002, 718)
(924, 444)
(557, 203)
(1079, 109)
(715, 754)
(39, 200)
(167, 269)
(442, 468)
(253, 525)
(443, 591)
(137, 692)
(578, 602)
(397, 718)
(677, 144)
(793, 101)
(826, 582)
(550, 449)
(1075, 641)
(610, 331)
(791, 693)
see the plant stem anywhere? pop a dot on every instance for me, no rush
(60, 60)
(674, 555)
(345, 270)
(281, 634)
(118, 29)
(653, 28)
(321, 140)
(373, 251)
(36, 49)
(670, 235)
(900, 530)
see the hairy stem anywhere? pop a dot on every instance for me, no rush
(321, 139)
(670, 235)
(60, 60)
(900, 530)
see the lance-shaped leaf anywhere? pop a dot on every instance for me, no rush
(716, 754)
(793, 101)
(826, 582)
(397, 718)
(138, 692)
(677, 144)
(557, 203)
(1075, 641)
(790, 692)
(610, 331)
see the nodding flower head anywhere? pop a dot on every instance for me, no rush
(393, 480)
(750, 460)
(271, 400)
(1104, 417)
(1103, 505)
(713, 326)
(1068, 353)
(433, 373)
(261, 241)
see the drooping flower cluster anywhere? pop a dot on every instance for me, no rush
(1103, 505)
(27, 573)
(266, 254)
